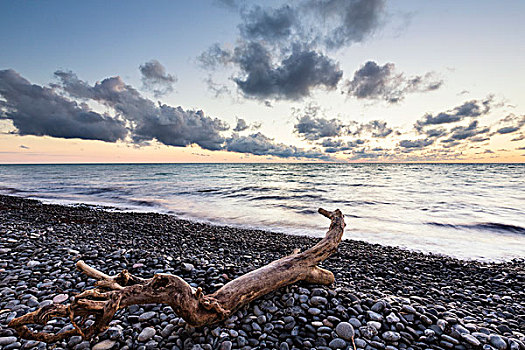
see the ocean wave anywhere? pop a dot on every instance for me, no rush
(490, 226)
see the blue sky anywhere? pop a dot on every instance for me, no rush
(474, 49)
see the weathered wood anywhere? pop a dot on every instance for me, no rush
(122, 290)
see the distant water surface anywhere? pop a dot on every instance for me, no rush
(469, 211)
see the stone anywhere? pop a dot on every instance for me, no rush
(226, 345)
(391, 336)
(497, 342)
(60, 298)
(471, 339)
(317, 301)
(187, 267)
(314, 311)
(147, 316)
(374, 316)
(337, 343)
(146, 334)
(345, 330)
(7, 340)
(104, 345)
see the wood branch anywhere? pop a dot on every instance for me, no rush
(122, 290)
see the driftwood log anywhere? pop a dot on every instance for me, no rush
(116, 292)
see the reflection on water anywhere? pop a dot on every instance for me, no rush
(463, 210)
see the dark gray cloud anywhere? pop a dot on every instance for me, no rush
(376, 128)
(466, 132)
(261, 145)
(268, 24)
(349, 21)
(241, 125)
(24, 147)
(469, 109)
(334, 146)
(279, 52)
(514, 124)
(41, 111)
(36, 110)
(314, 128)
(156, 79)
(292, 79)
(215, 57)
(376, 82)
(519, 137)
(368, 153)
(172, 126)
(416, 144)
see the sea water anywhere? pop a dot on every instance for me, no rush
(468, 211)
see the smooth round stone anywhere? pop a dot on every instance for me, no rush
(374, 316)
(345, 330)
(284, 346)
(376, 325)
(497, 342)
(147, 316)
(7, 340)
(337, 343)
(60, 298)
(314, 311)
(379, 306)
(392, 318)
(316, 301)
(471, 339)
(226, 345)
(104, 345)
(146, 334)
(391, 336)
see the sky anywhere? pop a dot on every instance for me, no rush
(286, 81)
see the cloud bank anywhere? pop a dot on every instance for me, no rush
(62, 111)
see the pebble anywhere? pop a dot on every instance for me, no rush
(146, 334)
(337, 343)
(60, 298)
(390, 299)
(345, 330)
(104, 345)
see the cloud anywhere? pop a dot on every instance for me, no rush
(416, 144)
(368, 153)
(472, 109)
(377, 128)
(376, 82)
(41, 111)
(334, 146)
(37, 110)
(24, 147)
(172, 126)
(292, 79)
(314, 128)
(155, 78)
(466, 132)
(268, 24)
(259, 144)
(241, 125)
(280, 53)
(350, 21)
(514, 124)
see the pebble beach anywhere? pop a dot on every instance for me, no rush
(384, 297)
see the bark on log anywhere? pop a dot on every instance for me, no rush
(122, 290)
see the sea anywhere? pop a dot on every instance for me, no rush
(467, 211)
